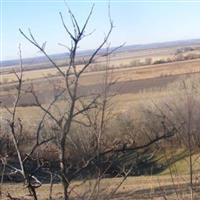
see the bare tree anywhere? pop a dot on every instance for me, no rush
(72, 80)
(17, 130)
(77, 109)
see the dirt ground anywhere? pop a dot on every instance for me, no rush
(140, 188)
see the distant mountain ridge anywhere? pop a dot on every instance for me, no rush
(137, 47)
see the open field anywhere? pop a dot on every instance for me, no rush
(135, 88)
(130, 96)
(140, 60)
(123, 74)
(100, 101)
(129, 80)
(120, 87)
(140, 188)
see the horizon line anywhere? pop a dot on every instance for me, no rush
(85, 50)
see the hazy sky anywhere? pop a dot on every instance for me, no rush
(135, 22)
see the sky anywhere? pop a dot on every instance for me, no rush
(135, 21)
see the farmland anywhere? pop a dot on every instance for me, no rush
(136, 88)
(99, 100)
(131, 78)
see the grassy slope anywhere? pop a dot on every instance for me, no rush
(181, 167)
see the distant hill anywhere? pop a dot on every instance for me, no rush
(138, 47)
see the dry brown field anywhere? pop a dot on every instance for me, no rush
(118, 60)
(140, 188)
(135, 87)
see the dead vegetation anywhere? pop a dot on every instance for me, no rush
(75, 145)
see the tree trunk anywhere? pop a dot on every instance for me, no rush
(65, 188)
(32, 192)
(65, 181)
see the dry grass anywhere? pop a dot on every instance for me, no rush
(123, 74)
(120, 101)
(123, 102)
(182, 166)
(132, 188)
